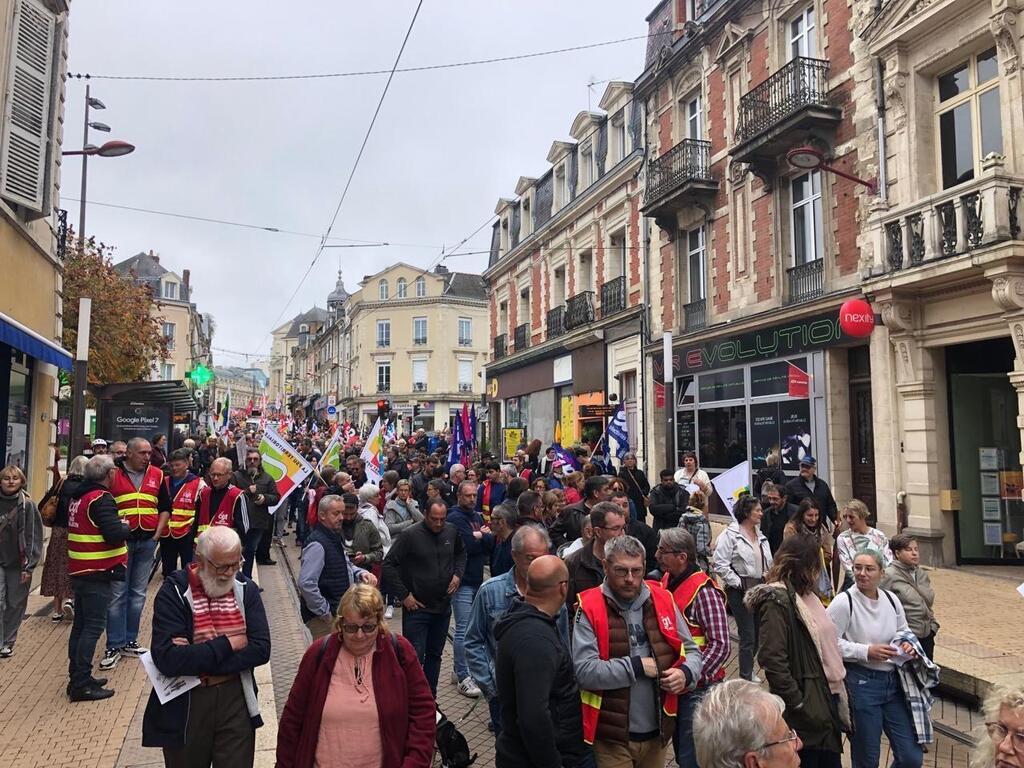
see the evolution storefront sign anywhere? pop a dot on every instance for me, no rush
(803, 335)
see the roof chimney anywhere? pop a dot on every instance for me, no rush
(441, 269)
(185, 274)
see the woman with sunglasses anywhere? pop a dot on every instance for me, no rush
(360, 696)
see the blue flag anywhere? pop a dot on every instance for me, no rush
(618, 429)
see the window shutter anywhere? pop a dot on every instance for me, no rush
(23, 154)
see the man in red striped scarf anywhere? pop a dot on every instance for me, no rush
(209, 622)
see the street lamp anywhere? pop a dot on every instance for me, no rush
(807, 158)
(110, 149)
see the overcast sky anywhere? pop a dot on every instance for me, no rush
(446, 145)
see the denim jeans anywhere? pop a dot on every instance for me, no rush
(462, 607)
(682, 739)
(128, 597)
(250, 543)
(877, 703)
(92, 598)
(747, 628)
(427, 633)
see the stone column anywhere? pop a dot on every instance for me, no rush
(919, 441)
(1008, 292)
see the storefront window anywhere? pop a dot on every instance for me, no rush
(686, 433)
(723, 436)
(517, 411)
(721, 385)
(18, 400)
(775, 378)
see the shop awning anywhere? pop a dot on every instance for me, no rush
(31, 343)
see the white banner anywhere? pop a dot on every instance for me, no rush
(731, 483)
(372, 453)
(283, 463)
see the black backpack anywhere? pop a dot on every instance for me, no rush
(452, 745)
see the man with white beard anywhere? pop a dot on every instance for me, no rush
(208, 621)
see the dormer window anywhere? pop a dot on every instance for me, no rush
(505, 239)
(421, 287)
(586, 165)
(619, 136)
(561, 188)
(525, 218)
(400, 287)
(382, 290)
(170, 290)
(303, 328)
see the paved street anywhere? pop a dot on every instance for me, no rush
(42, 729)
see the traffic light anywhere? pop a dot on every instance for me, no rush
(383, 408)
(200, 375)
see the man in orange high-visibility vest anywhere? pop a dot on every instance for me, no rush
(143, 503)
(633, 656)
(183, 487)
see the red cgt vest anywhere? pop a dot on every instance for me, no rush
(592, 603)
(225, 512)
(137, 506)
(88, 551)
(183, 508)
(684, 596)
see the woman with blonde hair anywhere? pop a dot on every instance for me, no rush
(360, 696)
(859, 537)
(56, 583)
(1002, 742)
(21, 546)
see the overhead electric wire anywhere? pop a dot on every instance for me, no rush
(360, 73)
(355, 166)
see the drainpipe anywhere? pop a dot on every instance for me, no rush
(645, 317)
(883, 190)
(902, 513)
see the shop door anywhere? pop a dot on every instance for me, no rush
(862, 445)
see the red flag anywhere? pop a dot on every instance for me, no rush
(799, 381)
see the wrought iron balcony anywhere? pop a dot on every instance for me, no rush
(419, 386)
(499, 346)
(579, 310)
(613, 297)
(522, 337)
(787, 104)
(806, 281)
(419, 340)
(678, 176)
(949, 223)
(465, 341)
(465, 386)
(695, 315)
(383, 387)
(556, 321)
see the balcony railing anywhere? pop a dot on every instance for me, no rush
(556, 322)
(579, 310)
(687, 161)
(383, 387)
(465, 341)
(806, 281)
(522, 337)
(383, 342)
(695, 314)
(613, 297)
(801, 83)
(419, 386)
(465, 387)
(419, 340)
(499, 346)
(949, 223)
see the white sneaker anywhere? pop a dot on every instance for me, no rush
(110, 658)
(68, 609)
(134, 649)
(468, 688)
(755, 679)
(389, 612)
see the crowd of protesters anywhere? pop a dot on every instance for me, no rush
(588, 606)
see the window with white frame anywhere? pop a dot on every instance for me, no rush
(503, 317)
(525, 217)
(696, 264)
(693, 114)
(506, 238)
(586, 165)
(419, 330)
(383, 375)
(806, 219)
(585, 272)
(419, 375)
(561, 188)
(401, 290)
(970, 124)
(167, 371)
(619, 139)
(170, 290)
(382, 290)
(168, 332)
(692, 9)
(558, 286)
(383, 333)
(617, 253)
(465, 331)
(421, 287)
(803, 35)
(465, 375)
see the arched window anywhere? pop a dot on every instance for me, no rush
(400, 287)
(421, 287)
(382, 289)
(303, 328)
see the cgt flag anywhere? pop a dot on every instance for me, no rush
(332, 453)
(372, 453)
(283, 463)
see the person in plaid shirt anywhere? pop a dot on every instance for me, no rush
(702, 604)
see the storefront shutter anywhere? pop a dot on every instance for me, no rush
(23, 153)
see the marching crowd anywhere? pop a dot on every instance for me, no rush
(586, 605)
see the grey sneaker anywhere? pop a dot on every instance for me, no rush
(134, 649)
(110, 658)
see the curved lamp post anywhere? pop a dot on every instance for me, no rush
(807, 158)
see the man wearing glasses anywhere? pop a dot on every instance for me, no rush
(738, 724)
(221, 503)
(586, 569)
(210, 623)
(633, 655)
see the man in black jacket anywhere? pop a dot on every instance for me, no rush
(209, 621)
(92, 509)
(423, 569)
(261, 494)
(668, 501)
(540, 702)
(809, 484)
(568, 526)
